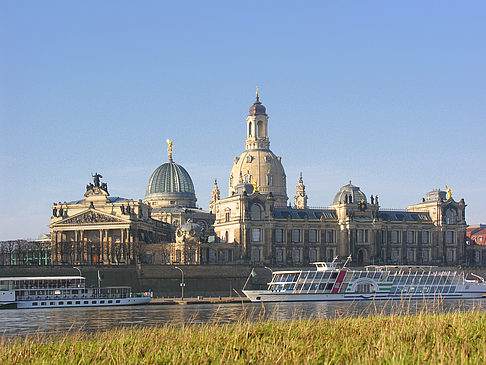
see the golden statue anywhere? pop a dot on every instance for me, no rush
(257, 91)
(449, 192)
(255, 186)
(171, 144)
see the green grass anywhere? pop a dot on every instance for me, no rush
(427, 337)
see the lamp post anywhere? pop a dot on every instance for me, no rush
(182, 281)
(77, 268)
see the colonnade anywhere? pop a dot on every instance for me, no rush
(87, 247)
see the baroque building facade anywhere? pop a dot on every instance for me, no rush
(102, 230)
(255, 217)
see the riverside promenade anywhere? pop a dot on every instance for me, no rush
(198, 300)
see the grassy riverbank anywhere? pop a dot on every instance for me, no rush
(433, 338)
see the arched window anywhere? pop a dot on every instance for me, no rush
(269, 179)
(255, 212)
(260, 129)
(451, 217)
(249, 128)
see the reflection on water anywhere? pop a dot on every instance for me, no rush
(57, 321)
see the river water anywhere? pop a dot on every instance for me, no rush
(22, 322)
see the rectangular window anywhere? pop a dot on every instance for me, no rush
(296, 255)
(425, 255)
(425, 237)
(330, 236)
(255, 234)
(279, 235)
(279, 255)
(312, 235)
(450, 255)
(312, 255)
(256, 254)
(394, 237)
(296, 235)
(410, 237)
(330, 254)
(395, 254)
(410, 255)
(449, 237)
(362, 235)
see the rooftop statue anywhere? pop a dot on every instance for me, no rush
(449, 192)
(96, 179)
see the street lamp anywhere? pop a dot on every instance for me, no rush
(182, 281)
(77, 268)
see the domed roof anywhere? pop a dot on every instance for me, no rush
(190, 227)
(349, 190)
(257, 108)
(263, 168)
(170, 180)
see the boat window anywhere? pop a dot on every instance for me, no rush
(85, 302)
(52, 303)
(78, 302)
(319, 275)
(329, 286)
(93, 302)
(110, 301)
(311, 276)
(69, 303)
(117, 301)
(334, 275)
(34, 303)
(102, 302)
(61, 303)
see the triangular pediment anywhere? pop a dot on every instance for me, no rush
(89, 217)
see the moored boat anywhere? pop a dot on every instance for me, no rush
(328, 282)
(63, 291)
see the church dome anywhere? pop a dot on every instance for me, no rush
(171, 182)
(257, 108)
(264, 168)
(348, 191)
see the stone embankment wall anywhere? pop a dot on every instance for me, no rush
(164, 280)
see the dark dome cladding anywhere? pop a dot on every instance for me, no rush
(169, 179)
(349, 190)
(257, 108)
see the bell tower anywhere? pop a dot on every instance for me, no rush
(257, 127)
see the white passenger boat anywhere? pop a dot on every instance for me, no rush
(328, 282)
(63, 291)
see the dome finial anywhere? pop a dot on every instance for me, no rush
(257, 98)
(169, 148)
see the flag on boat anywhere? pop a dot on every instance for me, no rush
(253, 273)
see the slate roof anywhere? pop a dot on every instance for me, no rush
(399, 216)
(285, 213)
(112, 199)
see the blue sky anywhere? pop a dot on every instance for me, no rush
(388, 94)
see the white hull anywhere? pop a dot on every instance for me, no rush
(267, 296)
(76, 302)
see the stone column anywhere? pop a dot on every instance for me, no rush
(76, 247)
(58, 246)
(109, 240)
(102, 248)
(53, 248)
(83, 247)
